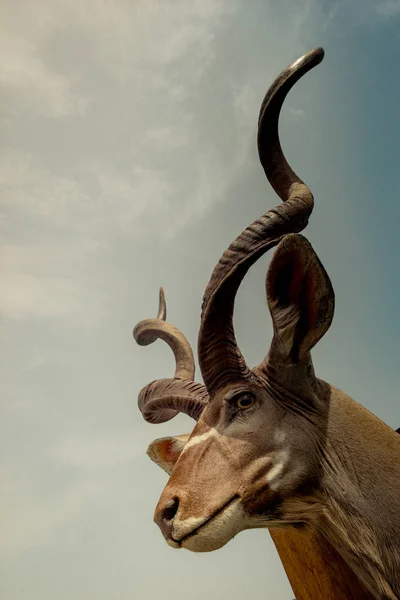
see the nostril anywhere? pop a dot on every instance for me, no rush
(170, 509)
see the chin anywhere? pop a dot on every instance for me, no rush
(216, 533)
(204, 543)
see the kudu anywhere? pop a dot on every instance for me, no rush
(274, 446)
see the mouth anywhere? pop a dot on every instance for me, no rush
(178, 543)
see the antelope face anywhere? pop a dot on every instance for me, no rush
(244, 463)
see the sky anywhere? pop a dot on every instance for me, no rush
(129, 161)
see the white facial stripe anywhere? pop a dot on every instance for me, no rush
(274, 472)
(199, 439)
(280, 462)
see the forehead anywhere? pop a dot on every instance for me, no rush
(210, 423)
(213, 414)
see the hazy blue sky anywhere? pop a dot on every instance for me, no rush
(129, 161)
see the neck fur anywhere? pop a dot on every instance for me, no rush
(361, 491)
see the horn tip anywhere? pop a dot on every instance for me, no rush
(319, 54)
(309, 60)
(319, 51)
(162, 306)
(315, 56)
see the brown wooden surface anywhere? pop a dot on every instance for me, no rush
(314, 569)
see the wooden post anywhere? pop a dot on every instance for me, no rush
(314, 569)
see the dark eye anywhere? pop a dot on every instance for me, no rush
(244, 401)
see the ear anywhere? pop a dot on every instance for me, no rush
(300, 296)
(166, 451)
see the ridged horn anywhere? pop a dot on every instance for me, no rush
(220, 358)
(148, 331)
(163, 399)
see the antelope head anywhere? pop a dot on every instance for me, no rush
(273, 445)
(252, 458)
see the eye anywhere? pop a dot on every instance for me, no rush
(244, 401)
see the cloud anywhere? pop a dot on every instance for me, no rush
(40, 80)
(32, 285)
(388, 8)
(30, 85)
(37, 278)
(25, 295)
(32, 189)
(65, 208)
(123, 35)
(104, 199)
(144, 146)
(136, 156)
